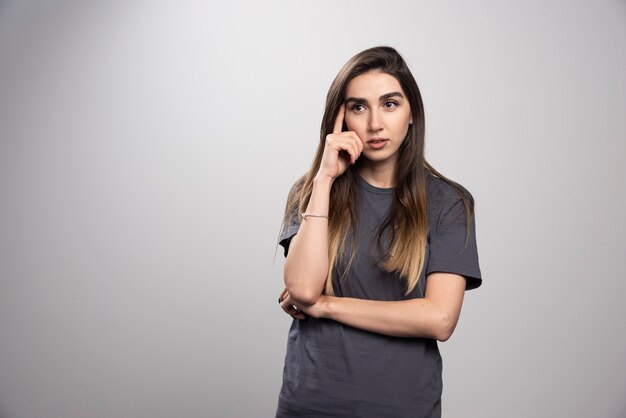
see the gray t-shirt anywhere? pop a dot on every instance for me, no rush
(335, 370)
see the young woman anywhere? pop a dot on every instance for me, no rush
(380, 248)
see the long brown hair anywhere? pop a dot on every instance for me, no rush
(407, 220)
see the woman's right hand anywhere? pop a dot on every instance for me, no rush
(341, 149)
(287, 305)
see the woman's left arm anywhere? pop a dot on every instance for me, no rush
(433, 316)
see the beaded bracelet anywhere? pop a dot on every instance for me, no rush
(305, 215)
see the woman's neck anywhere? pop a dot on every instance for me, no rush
(378, 174)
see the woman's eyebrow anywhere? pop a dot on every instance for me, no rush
(392, 94)
(382, 98)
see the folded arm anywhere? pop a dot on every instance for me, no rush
(306, 265)
(433, 316)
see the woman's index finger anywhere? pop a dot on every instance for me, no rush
(339, 119)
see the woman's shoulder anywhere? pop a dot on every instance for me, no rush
(440, 189)
(445, 195)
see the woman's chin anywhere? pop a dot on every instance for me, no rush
(376, 156)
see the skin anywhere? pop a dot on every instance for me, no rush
(373, 109)
(376, 106)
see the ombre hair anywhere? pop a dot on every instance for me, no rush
(407, 220)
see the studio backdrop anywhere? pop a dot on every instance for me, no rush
(146, 153)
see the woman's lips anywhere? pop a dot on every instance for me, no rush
(377, 143)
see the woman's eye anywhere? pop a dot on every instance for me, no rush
(390, 104)
(357, 107)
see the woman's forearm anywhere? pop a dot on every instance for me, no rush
(306, 266)
(418, 317)
(433, 316)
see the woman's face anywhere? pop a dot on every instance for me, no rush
(376, 107)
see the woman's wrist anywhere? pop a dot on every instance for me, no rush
(320, 196)
(326, 307)
(325, 303)
(323, 180)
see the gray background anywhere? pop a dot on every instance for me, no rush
(146, 152)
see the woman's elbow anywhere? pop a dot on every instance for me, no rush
(306, 298)
(305, 292)
(445, 327)
(444, 336)
(304, 295)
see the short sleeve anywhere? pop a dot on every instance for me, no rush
(448, 249)
(289, 230)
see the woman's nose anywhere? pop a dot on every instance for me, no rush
(375, 120)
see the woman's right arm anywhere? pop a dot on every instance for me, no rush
(306, 265)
